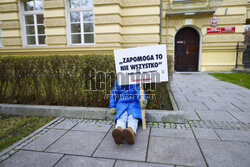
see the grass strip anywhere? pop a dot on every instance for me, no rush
(14, 128)
(242, 79)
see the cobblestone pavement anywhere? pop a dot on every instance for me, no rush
(217, 134)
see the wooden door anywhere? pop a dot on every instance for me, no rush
(187, 43)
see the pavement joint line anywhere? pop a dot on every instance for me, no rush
(86, 156)
(81, 131)
(194, 93)
(149, 135)
(212, 99)
(216, 124)
(205, 105)
(217, 134)
(228, 141)
(217, 94)
(187, 98)
(199, 123)
(61, 136)
(197, 114)
(171, 137)
(239, 100)
(237, 107)
(114, 163)
(101, 141)
(195, 138)
(43, 151)
(13, 146)
(182, 166)
(59, 160)
(232, 116)
(235, 141)
(211, 123)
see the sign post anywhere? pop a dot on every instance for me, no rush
(143, 112)
(141, 65)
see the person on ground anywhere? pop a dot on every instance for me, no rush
(125, 102)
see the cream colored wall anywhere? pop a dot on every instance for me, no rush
(248, 9)
(55, 22)
(218, 50)
(108, 23)
(11, 29)
(118, 24)
(141, 22)
(128, 23)
(107, 33)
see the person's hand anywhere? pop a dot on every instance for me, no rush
(143, 103)
(113, 111)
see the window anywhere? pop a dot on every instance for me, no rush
(33, 22)
(80, 22)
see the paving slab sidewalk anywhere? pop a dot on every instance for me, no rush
(214, 135)
(209, 98)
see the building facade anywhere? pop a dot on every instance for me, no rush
(201, 34)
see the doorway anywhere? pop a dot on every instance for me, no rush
(187, 48)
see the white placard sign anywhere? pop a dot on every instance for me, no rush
(141, 65)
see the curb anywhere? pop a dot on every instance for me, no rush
(246, 70)
(86, 112)
(171, 97)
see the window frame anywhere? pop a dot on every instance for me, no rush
(68, 10)
(24, 13)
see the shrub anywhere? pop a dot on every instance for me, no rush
(60, 80)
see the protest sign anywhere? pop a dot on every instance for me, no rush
(141, 65)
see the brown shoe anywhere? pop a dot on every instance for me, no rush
(129, 135)
(117, 135)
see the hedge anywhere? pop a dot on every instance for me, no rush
(64, 80)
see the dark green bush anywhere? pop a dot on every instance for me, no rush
(60, 80)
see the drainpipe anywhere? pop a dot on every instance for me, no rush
(160, 21)
(237, 55)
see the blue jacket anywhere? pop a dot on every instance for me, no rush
(126, 98)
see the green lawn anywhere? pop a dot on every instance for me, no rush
(242, 79)
(14, 128)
